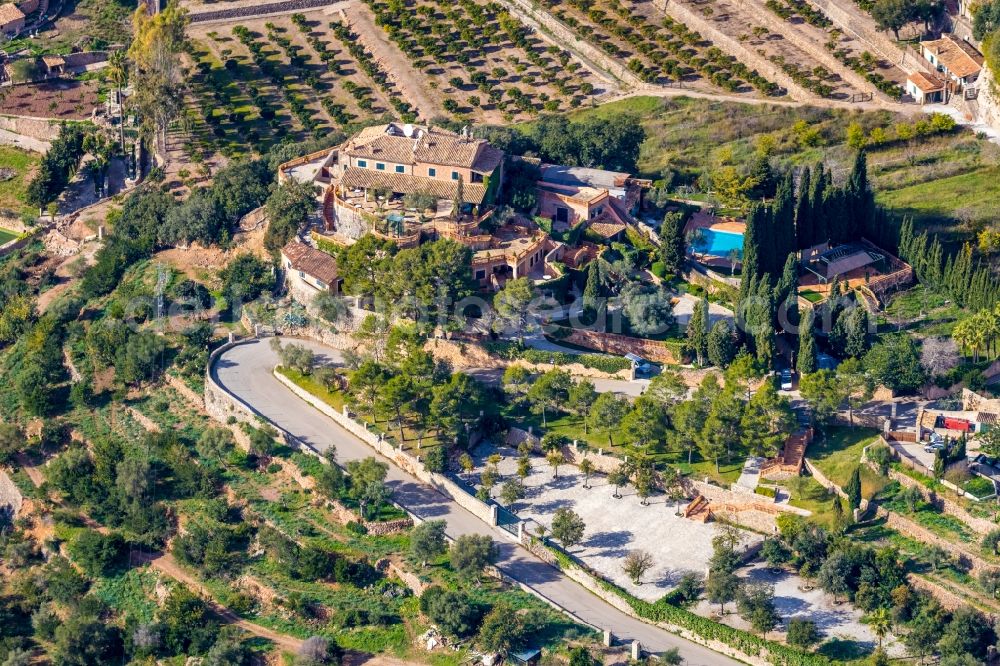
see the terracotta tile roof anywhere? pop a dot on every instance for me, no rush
(405, 184)
(988, 418)
(956, 55)
(311, 261)
(925, 82)
(9, 13)
(424, 145)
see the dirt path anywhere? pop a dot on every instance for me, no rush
(165, 563)
(33, 472)
(661, 91)
(410, 82)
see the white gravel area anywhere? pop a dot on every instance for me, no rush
(793, 599)
(617, 526)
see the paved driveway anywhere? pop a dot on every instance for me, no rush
(245, 371)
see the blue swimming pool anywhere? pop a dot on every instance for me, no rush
(718, 243)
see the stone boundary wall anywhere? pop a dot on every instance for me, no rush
(948, 599)
(593, 585)
(41, 129)
(17, 243)
(561, 35)
(974, 562)
(730, 45)
(805, 43)
(612, 343)
(907, 60)
(402, 459)
(258, 10)
(945, 504)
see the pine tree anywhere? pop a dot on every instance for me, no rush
(697, 330)
(803, 212)
(806, 362)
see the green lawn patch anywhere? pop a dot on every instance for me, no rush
(12, 191)
(935, 201)
(978, 487)
(811, 296)
(838, 451)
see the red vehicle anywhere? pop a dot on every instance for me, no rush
(957, 424)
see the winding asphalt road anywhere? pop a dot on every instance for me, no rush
(245, 371)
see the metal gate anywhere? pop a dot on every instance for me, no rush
(507, 520)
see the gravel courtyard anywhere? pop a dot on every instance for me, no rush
(617, 526)
(793, 601)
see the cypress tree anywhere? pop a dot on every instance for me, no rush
(592, 294)
(857, 339)
(853, 488)
(803, 212)
(789, 281)
(751, 249)
(835, 216)
(859, 192)
(783, 223)
(697, 330)
(764, 324)
(806, 362)
(818, 213)
(672, 237)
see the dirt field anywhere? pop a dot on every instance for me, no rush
(63, 100)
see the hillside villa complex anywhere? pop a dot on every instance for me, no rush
(413, 183)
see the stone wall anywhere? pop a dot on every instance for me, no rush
(973, 562)
(36, 128)
(400, 458)
(945, 504)
(258, 10)
(863, 28)
(10, 495)
(561, 35)
(592, 583)
(948, 599)
(612, 343)
(728, 43)
(749, 510)
(988, 99)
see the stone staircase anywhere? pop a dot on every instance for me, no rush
(698, 510)
(789, 461)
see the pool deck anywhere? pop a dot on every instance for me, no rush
(702, 220)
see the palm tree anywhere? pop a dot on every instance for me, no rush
(555, 458)
(118, 70)
(881, 624)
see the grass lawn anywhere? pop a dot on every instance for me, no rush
(807, 493)
(932, 313)
(572, 427)
(838, 452)
(811, 296)
(6, 236)
(12, 191)
(935, 201)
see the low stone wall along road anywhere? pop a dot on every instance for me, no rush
(245, 371)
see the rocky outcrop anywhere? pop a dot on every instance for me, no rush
(989, 99)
